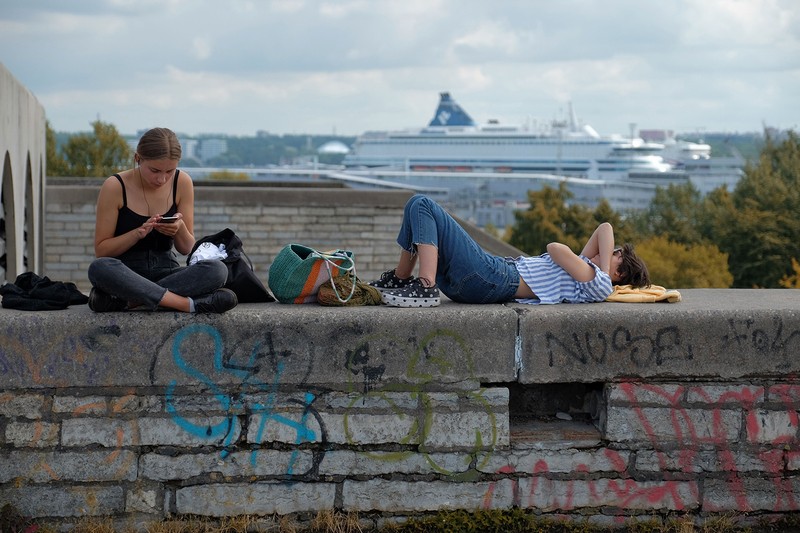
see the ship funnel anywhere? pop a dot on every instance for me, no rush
(449, 113)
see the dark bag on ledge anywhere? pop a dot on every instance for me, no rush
(242, 279)
(31, 292)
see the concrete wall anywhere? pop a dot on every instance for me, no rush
(677, 409)
(22, 156)
(266, 219)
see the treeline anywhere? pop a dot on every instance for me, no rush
(745, 238)
(261, 150)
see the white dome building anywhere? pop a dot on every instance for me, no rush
(333, 148)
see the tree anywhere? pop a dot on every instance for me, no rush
(676, 265)
(551, 218)
(97, 154)
(674, 212)
(757, 227)
(227, 175)
(56, 164)
(792, 281)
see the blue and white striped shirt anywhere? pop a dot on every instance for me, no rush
(552, 284)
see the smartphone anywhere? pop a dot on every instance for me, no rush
(168, 220)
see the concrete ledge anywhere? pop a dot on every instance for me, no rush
(712, 334)
(688, 408)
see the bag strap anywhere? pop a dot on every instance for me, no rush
(330, 261)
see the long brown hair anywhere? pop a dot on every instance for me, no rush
(632, 270)
(159, 143)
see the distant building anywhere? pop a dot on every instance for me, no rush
(210, 148)
(333, 147)
(190, 148)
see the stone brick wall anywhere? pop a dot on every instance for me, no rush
(266, 219)
(274, 409)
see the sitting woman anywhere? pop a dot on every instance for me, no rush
(450, 260)
(143, 215)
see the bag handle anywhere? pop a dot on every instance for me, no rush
(330, 261)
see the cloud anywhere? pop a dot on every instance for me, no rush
(309, 65)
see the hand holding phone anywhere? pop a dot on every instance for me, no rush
(168, 220)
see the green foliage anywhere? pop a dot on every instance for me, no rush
(674, 212)
(675, 265)
(56, 164)
(97, 154)
(757, 226)
(268, 149)
(792, 281)
(227, 175)
(551, 219)
(668, 235)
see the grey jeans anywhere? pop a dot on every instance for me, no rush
(144, 277)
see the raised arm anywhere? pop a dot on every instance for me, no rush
(598, 248)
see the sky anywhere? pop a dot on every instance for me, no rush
(344, 67)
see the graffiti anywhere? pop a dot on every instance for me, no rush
(246, 390)
(242, 395)
(54, 359)
(685, 440)
(430, 359)
(641, 350)
(744, 334)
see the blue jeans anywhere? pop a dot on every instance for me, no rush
(144, 277)
(465, 273)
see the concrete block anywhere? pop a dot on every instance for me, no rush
(87, 466)
(775, 427)
(113, 432)
(83, 405)
(374, 401)
(558, 494)
(404, 496)
(258, 463)
(254, 498)
(661, 426)
(142, 499)
(32, 434)
(690, 460)
(28, 406)
(376, 463)
(787, 394)
(470, 430)
(720, 395)
(55, 501)
(645, 394)
(359, 429)
(747, 494)
(565, 461)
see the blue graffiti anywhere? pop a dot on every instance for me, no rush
(226, 430)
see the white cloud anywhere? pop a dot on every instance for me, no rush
(309, 65)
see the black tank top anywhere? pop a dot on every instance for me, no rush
(128, 220)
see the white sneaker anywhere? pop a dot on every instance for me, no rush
(415, 294)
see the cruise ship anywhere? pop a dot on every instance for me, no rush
(454, 142)
(487, 169)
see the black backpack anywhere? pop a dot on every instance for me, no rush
(241, 278)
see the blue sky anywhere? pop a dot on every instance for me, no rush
(321, 67)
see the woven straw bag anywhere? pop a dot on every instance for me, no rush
(298, 271)
(362, 294)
